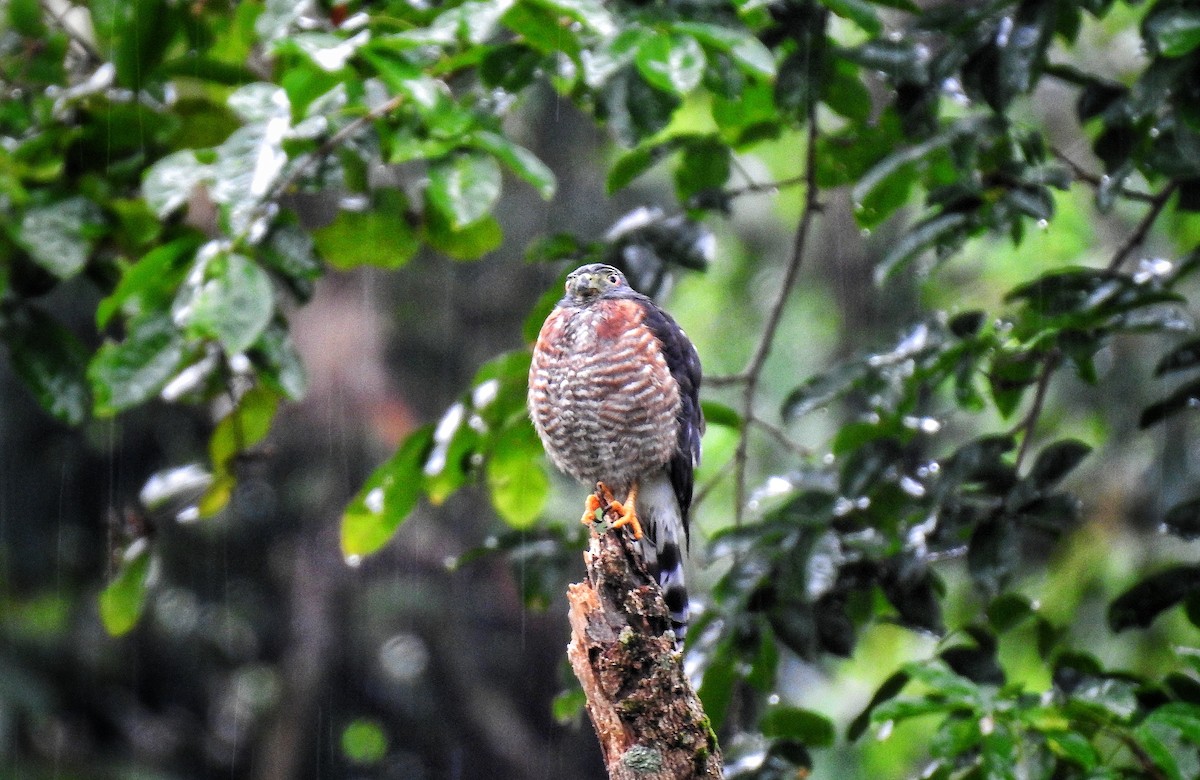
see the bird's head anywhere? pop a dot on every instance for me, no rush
(588, 282)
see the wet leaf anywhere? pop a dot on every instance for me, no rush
(122, 600)
(861, 12)
(56, 235)
(381, 236)
(516, 478)
(1172, 31)
(233, 305)
(52, 362)
(941, 229)
(674, 63)
(280, 363)
(463, 188)
(386, 499)
(127, 373)
(746, 50)
(519, 160)
(245, 426)
(168, 183)
(993, 555)
(634, 163)
(1008, 610)
(720, 414)
(150, 283)
(469, 243)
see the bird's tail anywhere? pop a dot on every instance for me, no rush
(662, 548)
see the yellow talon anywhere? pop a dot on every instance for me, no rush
(628, 513)
(591, 512)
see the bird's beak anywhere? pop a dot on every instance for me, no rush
(583, 285)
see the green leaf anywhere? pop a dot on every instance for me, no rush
(144, 29)
(469, 243)
(746, 50)
(1145, 601)
(168, 183)
(937, 230)
(25, 16)
(463, 188)
(635, 162)
(1184, 356)
(280, 363)
(1008, 610)
(811, 728)
(149, 283)
(245, 426)
(860, 12)
(1181, 717)
(672, 63)
(1056, 461)
(51, 361)
(1074, 747)
(233, 305)
(1172, 31)
(888, 690)
(386, 499)
(122, 600)
(516, 479)
(590, 13)
(1185, 398)
(1183, 520)
(704, 166)
(126, 373)
(56, 235)
(380, 236)
(519, 160)
(720, 414)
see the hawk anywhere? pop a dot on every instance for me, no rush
(614, 395)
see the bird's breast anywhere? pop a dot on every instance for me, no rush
(601, 393)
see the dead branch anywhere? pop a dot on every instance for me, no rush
(647, 716)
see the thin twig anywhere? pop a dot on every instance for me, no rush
(770, 186)
(331, 145)
(1087, 177)
(1028, 423)
(779, 435)
(1143, 228)
(753, 371)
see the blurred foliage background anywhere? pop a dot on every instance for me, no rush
(269, 503)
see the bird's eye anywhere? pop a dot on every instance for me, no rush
(614, 279)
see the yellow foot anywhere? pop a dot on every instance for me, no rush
(589, 511)
(627, 513)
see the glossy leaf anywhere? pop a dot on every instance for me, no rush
(1172, 31)
(126, 373)
(1182, 357)
(233, 305)
(746, 50)
(56, 235)
(123, 599)
(1057, 460)
(519, 160)
(170, 182)
(149, 283)
(672, 63)
(1186, 397)
(516, 479)
(386, 499)
(942, 229)
(242, 428)
(52, 362)
(463, 188)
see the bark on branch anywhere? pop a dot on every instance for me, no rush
(647, 716)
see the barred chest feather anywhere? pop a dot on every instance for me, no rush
(601, 395)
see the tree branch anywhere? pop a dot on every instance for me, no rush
(1029, 422)
(649, 721)
(753, 372)
(1089, 178)
(1143, 228)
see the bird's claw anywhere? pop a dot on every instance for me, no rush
(602, 502)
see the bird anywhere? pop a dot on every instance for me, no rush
(614, 387)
